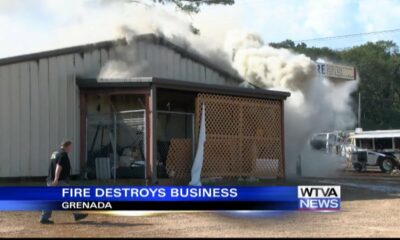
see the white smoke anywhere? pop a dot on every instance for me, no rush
(316, 103)
(169, 24)
(267, 66)
(126, 64)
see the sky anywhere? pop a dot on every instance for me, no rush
(28, 26)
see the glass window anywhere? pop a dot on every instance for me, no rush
(383, 143)
(358, 142)
(397, 143)
(319, 141)
(366, 143)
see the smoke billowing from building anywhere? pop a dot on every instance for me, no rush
(267, 66)
(316, 104)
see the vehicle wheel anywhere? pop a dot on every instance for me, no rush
(357, 167)
(386, 165)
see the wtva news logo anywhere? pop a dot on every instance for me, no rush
(319, 198)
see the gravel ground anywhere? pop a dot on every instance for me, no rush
(367, 211)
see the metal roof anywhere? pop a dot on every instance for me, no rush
(61, 51)
(163, 83)
(112, 43)
(376, 134)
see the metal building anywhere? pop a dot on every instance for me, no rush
(50, 96)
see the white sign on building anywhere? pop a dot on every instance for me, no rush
(337, 71)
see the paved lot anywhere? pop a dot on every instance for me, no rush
(369, 209)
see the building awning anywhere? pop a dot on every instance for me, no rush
(163, 83)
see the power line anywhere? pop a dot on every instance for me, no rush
(348, 35)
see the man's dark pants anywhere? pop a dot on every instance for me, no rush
(46, 215)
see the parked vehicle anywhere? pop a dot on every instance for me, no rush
(375, 148)
(330, 142)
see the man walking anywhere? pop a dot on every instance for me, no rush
(59, 171)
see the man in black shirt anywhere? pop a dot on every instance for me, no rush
(60, 167)
(59, 171)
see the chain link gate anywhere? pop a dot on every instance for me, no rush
(116, 145)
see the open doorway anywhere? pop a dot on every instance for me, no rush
(175, 133)
(115, 137)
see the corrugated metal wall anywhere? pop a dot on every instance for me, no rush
(160, 61)
(39, 108)
(39, 101)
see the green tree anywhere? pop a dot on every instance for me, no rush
(312, 52)
(378, 68)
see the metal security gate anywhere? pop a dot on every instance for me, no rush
(244, 136)
(116, 146)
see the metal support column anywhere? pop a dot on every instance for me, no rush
(153, 127)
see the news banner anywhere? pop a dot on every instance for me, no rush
(156, 198)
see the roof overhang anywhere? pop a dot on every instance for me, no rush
(376, 134)
(171, 84)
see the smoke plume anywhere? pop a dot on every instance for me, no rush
(316, 105)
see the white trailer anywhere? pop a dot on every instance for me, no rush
(375, 148)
